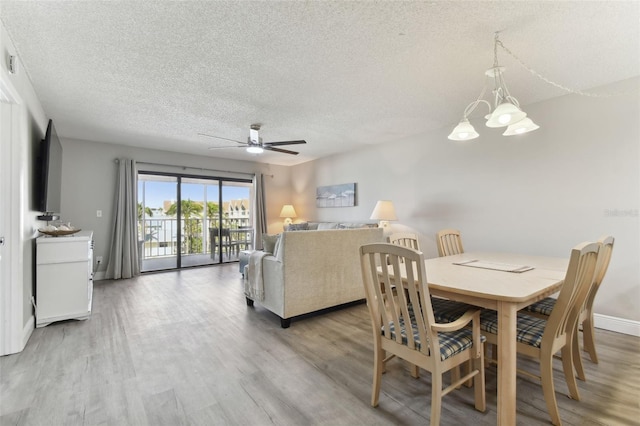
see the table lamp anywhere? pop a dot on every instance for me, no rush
(384, 212)
(288, 212)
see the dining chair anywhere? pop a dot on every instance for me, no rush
(541, 339)
(218, 235)
(449, 242)
(544, 307)
(403, 324)
(405, 239)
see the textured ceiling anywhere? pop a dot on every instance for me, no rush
(339, 74)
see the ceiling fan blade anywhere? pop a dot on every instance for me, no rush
(285, 151)
(285, 143)
(218, 137)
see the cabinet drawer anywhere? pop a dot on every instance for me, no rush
(75, 251)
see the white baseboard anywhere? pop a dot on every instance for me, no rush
(619, 325)
(27, 330)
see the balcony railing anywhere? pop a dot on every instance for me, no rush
(159, 237)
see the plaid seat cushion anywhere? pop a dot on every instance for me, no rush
(544, 306)
(445, 310)
(451, 343)
(529, 330)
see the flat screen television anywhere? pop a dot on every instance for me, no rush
(50, 174)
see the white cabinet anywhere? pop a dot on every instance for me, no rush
(64, 277)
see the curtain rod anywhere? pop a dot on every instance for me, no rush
(194, 168)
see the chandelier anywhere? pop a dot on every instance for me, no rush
(505, 110)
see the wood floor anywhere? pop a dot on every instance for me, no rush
(182, 348)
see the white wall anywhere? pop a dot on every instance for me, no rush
(89, 180)
(539, 193)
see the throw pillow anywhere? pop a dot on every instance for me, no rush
(269, 243)
(298, 226)
(327, 225)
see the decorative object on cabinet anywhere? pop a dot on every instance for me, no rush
(343, 195)
(59, 232)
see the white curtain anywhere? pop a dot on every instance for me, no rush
(260, 210)
(123, 255)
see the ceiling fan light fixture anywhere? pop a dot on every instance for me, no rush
(255, 150)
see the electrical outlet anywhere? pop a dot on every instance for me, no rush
(98, 213)
(98, 259)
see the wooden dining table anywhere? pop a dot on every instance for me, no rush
(503, 291)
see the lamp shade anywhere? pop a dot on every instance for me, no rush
(288, 211)
(505, 114)
(523, 126)
(463, 131)
(384, 210)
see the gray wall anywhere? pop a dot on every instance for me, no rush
(539, 193)
(89, 179)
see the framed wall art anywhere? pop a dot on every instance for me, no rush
(343, 195)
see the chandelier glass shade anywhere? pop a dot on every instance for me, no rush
(504, 111)
(523, 126)
(463, 131)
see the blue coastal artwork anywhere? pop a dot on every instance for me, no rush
(343, 195)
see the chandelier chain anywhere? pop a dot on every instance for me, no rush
(546, 80)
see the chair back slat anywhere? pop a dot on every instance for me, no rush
(449, 242)
(577, 283)
(405, 239)
(606, 250)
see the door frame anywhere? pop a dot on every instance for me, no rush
(13, 333)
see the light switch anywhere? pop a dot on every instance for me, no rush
(98, 213)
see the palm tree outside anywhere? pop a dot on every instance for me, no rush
(191, 212)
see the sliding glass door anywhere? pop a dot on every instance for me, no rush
(191, 220)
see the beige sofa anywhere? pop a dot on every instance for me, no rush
(313, 270)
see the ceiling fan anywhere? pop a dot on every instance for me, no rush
(254, 144)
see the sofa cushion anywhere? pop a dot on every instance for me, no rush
(269, 242)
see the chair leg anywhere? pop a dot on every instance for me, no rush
(436, 397)
(588, 334)
(548, 390)
(415, 371)
(567, 368)
(479, 383)
(378, 357)
(577, 358)
(455, 374)
(468, 369)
